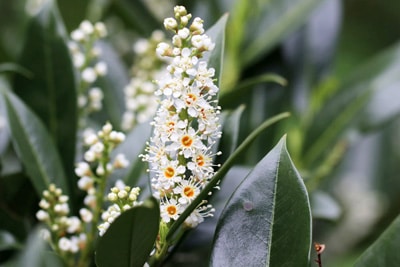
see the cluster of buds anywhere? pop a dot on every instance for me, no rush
(186, 125)
(122, 198)
(97, 164)
(70, 235)
(85, 59)
(141, 103)
(65, 233)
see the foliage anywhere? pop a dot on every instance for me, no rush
(83, 116)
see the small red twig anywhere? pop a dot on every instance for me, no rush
(319, 248)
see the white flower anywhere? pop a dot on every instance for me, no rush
(101, 68)
(120, 161)
(41, 215)
(89, 156)
(184, 33)
(78, 59)
(85, 183)
(64, 244)
(198, 215)
(90, 201)
(170, 209)
(163, 49)
(74, 224)
(89, 75)
(86, 215)
(44, 204)
(82, 169)
(61, 209)
(78, 35)
(197, 26)
(170, 24)
(86, 27)
(187, 191)
(100, 28)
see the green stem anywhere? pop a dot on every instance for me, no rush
(222, 172)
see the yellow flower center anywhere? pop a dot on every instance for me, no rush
(188, 191)
(172, 210)
(169, 172)
(187, 140)
(200, 160)
(190, 98)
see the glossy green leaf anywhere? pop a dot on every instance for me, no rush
(384, 252)
(366, 101)
(215, 57)
(113, 84)
(130, 238)
(51, 92)
(271, 24)
(34, 146)
(267, 221)
(217, 178)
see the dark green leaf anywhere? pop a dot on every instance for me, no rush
(216, 56)
(130, 238)
(384, 252)
(7, 241)
(223, 171)
(51, 93)
(137, 16)
(34, 146)
(271, 24)
(267, 218)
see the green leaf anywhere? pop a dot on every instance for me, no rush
(323, 206)
(384, 251)
(223, 171)
(366, 102)
(51, 93)
(271, 24)
(137, 16)
(267, 221)
(113, 84)
(7, 241)
(35, 253)
(130, 238)
(215, 57)
(34, 146)
(231, 127)
(4, 132)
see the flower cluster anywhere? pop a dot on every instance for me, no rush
(70, 235)
(98, 165)
(122, 198)
(85, 59)
(65, 232)
(186, 125)
(141, 103)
